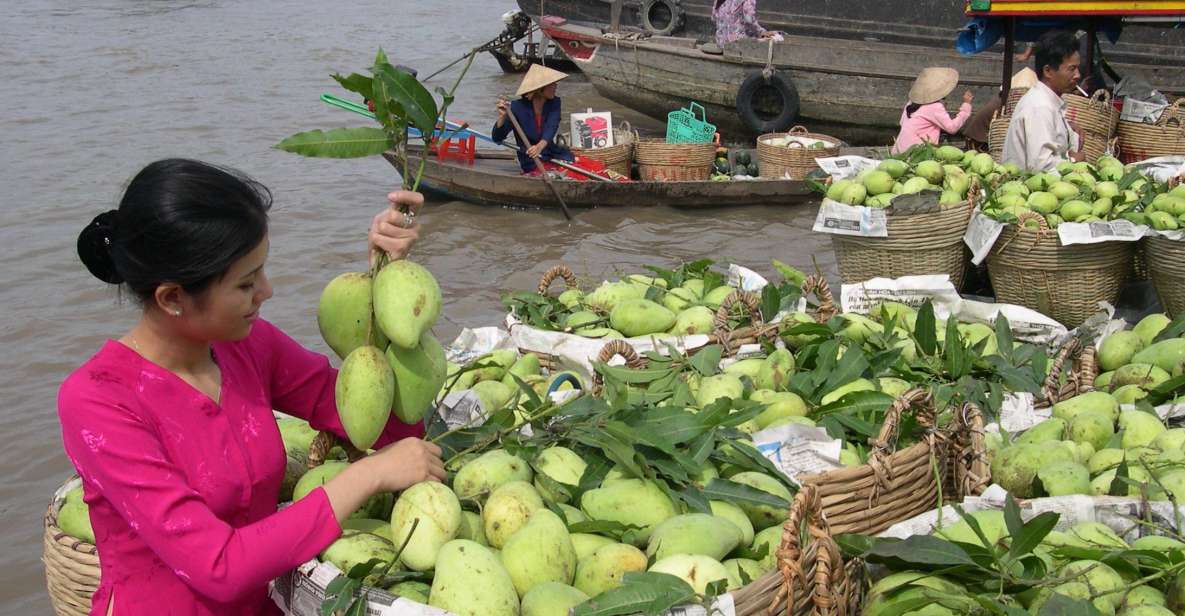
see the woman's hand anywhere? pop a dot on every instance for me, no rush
(537, 149)
(502, 108)
(405, 463)
(968, 97)
(393, 231)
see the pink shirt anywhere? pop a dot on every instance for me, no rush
(182, 491)
(927, 123)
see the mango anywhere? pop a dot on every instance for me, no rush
(412, 591)
(1015, 468)
(381, 528)
(930, 170)
(1064, 478)
(419, 375)
(878, 182)
(1143, 595)
(715, 297)
(1049, 430)
(680, 299)
(1168, 355)
(764, 516)
(776, 370)
(1103, 381)
(1105, 459)
(356, 547)
(1128, 394)
(559, 464)
(1074, 590)
(893, 386)
(1093, 428)
(552, 599)
(854, 194)
(1147, 610)
(364, 393)
(471, 528)
(629, 501)
(471, 581)
(990, 521)
(1170, 440)
(746, 367)
(585, 544)
(439, 515)
(607, 296)
(1089, 402)
(407, 302)
(847, 388)
(736, 515)
(836, 190)
(693, 533)
(74, 520)
(1099, 577)
(1063, 190)
(1096, 534)
(780, 405)
(1042, 202)
(582, 320)
(377, 507)
(344, 314)
(508, 509)
(1150, 327)
(695, 569)
(767, 541)
(493, 395)
(640, 317)
(694, 320)
(571, 298)
(1144, 375)
(541, 551)
(480, 477)
(1118, 349)
(606, 566)
(744, 570)
(1139, 428)
(1157, 542)
(712, 388)
(297, 435)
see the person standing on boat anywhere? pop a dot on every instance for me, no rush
(1039, 135)
(171, 426)
(737, 19)
(925, 118)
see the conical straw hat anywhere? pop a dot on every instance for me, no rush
(538, 77)
(1024, 78)
(933, 84)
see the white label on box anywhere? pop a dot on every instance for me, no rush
(1070, 233)
(842, 219)
(981, 234)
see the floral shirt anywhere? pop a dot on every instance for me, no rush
(182, 489)
(736, 19)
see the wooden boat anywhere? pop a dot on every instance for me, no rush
(848, 76)
(494, 179)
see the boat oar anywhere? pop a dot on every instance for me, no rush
(522, 136)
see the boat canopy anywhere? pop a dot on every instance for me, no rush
(983, 32)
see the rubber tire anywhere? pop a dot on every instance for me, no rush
(748, 114)
(677, 17)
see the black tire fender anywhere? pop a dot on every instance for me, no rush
(646, 16)
(746, 107)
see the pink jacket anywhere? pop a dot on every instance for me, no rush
(182, 491)
(927, 123)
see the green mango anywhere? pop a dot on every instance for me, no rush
(1144, 595)
(695, 569)
(1139, 428)
(585, 544)
(1168, 355)
(471, 581)
(356, 547)
(439, 514)
(640, 317)
(680, 299)
(552, 599)
(860, 384)
(1093, 428)
(493, 469)
(744, 570)
(407, 302)
(749, 367)
(605, 567)
(412, 591)
(1073, 590)
(571, 298)
(1105, 459)
(990, 521)
(507, 510)
(629, 501)
(718, 386)
(493, 395)
(1049, 430)
(767, 541)
(764, 516)
(297, 435)
(344, 314)
(1089, 402)
(364, 393)
(471, 528)
(780, 405)
(1150, 327)
(1099, 577)
(776, 370)
(1015, 468)
(1064, 478)
(737, 516)
(694, 533)
(419, 375)
(541, 551)
(74, 520)
(571, 514)
(694, 320)
(381, 528)
(607, 296)
(1143, 375)
(1128, 394)
(562, 465)
(714, 298)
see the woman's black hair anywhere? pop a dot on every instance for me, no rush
(1052, 50)
(911, 109)
(180, 221)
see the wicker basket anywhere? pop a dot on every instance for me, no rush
(1166, 268)
(659, 161)
(796, 161)
(1073, 372)
(1031, 268)
(1095, 118)
(1140, 262)
(1139, 142)
(997, 133)
(895, 485)
(617, 157)
(71, 565)
(918, 243)
(1014, 96)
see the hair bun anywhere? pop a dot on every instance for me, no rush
(94, 247)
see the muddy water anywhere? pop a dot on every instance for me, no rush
(95, 89)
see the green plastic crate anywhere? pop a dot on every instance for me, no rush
(687, 126)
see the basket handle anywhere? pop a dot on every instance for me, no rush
(1171, 112)
(919, 400)
(324, 442)
(1077, 362)
(798, 130)
(612, 349)
(1101, 97)
(972, 473)
(559, 271)
(702, 116)
(817, 285)
(806, 510)
(748, 300)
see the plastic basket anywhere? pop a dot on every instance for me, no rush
(686, 126)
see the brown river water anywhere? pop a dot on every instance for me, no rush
(95, 89)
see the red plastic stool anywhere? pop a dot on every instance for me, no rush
(459, 149)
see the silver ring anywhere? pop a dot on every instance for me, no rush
(409, 219)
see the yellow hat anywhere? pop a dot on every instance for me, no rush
(539, 76)
(1024, 78)
(933, 84)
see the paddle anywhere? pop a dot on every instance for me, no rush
(522, 136)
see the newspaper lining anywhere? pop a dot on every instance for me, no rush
(845, 167)
(1070, 233)
(799, 450)
(841, 219)
(981, 234)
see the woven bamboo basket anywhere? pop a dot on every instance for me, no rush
(897, 484)
(929, 242)
(1073, 372)
(548, 361)
(997, 133)
(1139, 142)
(1140, 262)
(659, 161)
(1095, 118)
(71, 565)
(1031, 268)
(742, 305)
(1014, 96)
(796, 161)
(812, 578)
(1166, 268)
(615, 348)
(617, 157)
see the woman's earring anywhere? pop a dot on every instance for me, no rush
(177, 313)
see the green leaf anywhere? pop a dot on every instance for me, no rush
(1012, 517)
(360, 84)
(792, 275)
(358, 608)
(695, 499)
(645, 592)
(925, 550)
(1061, 605)
(924, 329)
(739, 493)
(1119, 485)
(851, 366)
(337, 143)
(855, 545)
(771, 302)
(601, 527)
(860, 403)
(361, 570)
(1032, 534)
(402, 88)
(334, 603)
(666, 427)
(1174, 330)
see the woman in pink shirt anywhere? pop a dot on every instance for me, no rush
(925, 117)
(171, 425)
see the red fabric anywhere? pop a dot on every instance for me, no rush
(588, 164)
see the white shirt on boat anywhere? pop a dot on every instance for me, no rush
(1039, 136)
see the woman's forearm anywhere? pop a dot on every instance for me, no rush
(351, 488)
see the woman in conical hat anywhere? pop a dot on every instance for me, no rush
(538, 113)
(924, 118)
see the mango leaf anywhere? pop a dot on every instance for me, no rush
(791, 274)
(701, 448)
(955, 355)
(644, 592)
(1032, 533)
(1119, 484)
(924, 550)
(1004, 337)
(771, 302)
(860, 403)
(850, 367)
(666, 427)
(989, 603)
(707, 360)
(1174, 329)
(739, 493)
(601, 527)
(594, 473)
(1061, 605)
(402, 88)
(354, 82)
(358, 608)
(855, 545)
(337, 143)
(695, 499)
(335, 602)
(747, 457)
(615, 450)
(924, 329)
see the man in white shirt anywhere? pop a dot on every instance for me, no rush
(1039, 136)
